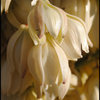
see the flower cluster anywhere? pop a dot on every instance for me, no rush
(38, 53)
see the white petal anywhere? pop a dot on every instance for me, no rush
(80, 31)
(65, 71)
(63, 61)
(52, 19)
(51, 66)
(64, 26)
(71, 47)
(36, 25)
(75, 38)
(84, 9)
(10, 50)
(27, 81)
(22, 48)
(13, 60)
(36, 68)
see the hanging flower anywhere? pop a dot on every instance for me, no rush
(72, 32)
(46, 68)
(88, 11)
(38, 54)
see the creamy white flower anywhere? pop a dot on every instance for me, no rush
(68, 30)
(50, 69)
(84, 9)
(47, 18)
(75, 38)
(40, 51)
(45, 65)
(17, 76)
(88, 11)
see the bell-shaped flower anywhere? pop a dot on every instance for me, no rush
(15, 75)
(76, 38)
(50, 69)
(86, 10)
(42, 49)
(45, 17)
(44, 65)
(71, 32)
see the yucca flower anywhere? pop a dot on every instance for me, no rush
(88, 11)
(85, 9)
(42, 65)
(38, 53)
(70, 28)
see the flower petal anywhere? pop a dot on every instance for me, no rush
(10, 50)
(62, 88)
(21, 51)
(27, 81)
(75, 38)
(36, 68)
(81, 31)
(51, 66)
(36, 25)
(52, 19)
